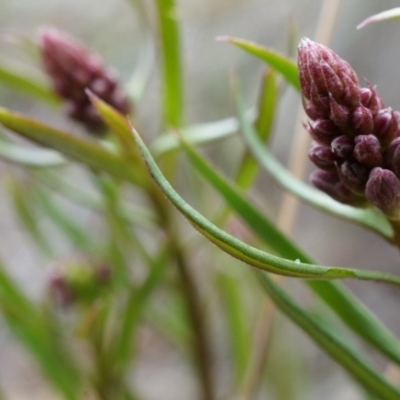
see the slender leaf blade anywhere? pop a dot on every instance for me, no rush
(283, 64)
(333, 345)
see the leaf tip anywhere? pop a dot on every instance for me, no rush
(224, 38)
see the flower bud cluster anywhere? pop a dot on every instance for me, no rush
(356, 138)
(73, 68)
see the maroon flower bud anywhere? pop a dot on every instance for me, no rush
(330, 183)
(320, 67)
(362, 121)
(383, 191)
(323, 130)
(319, 101)
(322, 157)
(354, 176)
(73, 68)
(386, 125)
(60, 289)
(370, 99)
(392, 157)
(367, 150)
(343, 146)
(339, 114)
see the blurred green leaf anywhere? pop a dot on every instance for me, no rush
(205, 133)
(393, 13)
(331, 344)
(133, 214)
(238, 323)
(172, 74)
(134, 310)
(28, 325)
(17, 81)
(241, 250)
(78, 234)
(371, 218)
(30, 157)
(282, 64)
(81, 150)
(27, 213)
(267, 107)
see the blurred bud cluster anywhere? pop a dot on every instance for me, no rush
(356, 138)
(73, 69)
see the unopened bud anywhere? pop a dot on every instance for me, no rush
(322, 68)
(339, 114)
(392, 157)
(354, 176)
(343, 146)
(367, 150)
(385, 125)
(371, 99)
(362, 121)
(383, 191)
(330, 183)
(322, 157)
(323, 130)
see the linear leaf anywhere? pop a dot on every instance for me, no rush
(393, 13)
(333, 345)
(17, 81)
(283, 64)
(172, 80)
(85, 151)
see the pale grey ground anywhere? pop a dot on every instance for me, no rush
(110, 28)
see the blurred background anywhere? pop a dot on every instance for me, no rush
(112, 28)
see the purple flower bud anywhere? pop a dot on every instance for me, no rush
(322, 157)
(73, 69)
(320, 102)
(319, 66)
(362, 121)
(339, 114)
(323, 131)
(354, 176)
(367, 150)
(392, 157)
(386, 125)
(333, 84)
(370, 99)
(343, 146)
(383, 191)
(330, 183)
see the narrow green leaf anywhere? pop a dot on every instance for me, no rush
(85, 151)
(238, 323)
(393, 13)
(172, 74)
(267, 107)
(333, 345)
(76, 233)
(282, 64)
(27, 214)
(118, 124)
(134, 310)
(244, 252)
(370, 218)
(30, 157)
(17, 81)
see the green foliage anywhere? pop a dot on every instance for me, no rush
(134, 268)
